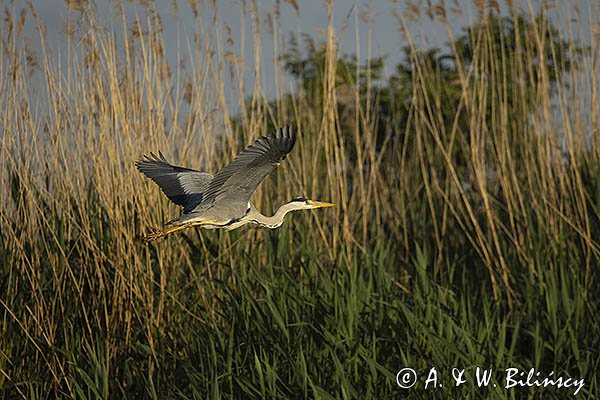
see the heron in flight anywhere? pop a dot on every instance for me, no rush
(223, 201)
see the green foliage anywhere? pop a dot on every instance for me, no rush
(437, 74)
(337, 331)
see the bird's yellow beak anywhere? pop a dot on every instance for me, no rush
(319, 204)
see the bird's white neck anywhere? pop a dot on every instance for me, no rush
(277, 219)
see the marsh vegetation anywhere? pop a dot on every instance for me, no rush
(467, 180)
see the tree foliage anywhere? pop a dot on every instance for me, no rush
(490, 53)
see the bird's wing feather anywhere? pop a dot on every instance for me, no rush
(183, 186)
(233, 185)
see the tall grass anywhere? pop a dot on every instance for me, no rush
(459, 241)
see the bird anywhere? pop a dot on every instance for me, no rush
(222, 201)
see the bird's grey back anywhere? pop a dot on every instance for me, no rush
(228, 193)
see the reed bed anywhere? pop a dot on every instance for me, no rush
(466, 231)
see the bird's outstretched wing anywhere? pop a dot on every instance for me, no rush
(231, 188)
(183, 186)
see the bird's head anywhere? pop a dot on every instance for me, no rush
(302, 203)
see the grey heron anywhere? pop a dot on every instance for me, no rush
(223, 201)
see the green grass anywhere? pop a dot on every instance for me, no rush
(294, 328)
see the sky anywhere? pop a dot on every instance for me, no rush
(375, 23)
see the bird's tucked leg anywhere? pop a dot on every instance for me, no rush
(156, 234)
